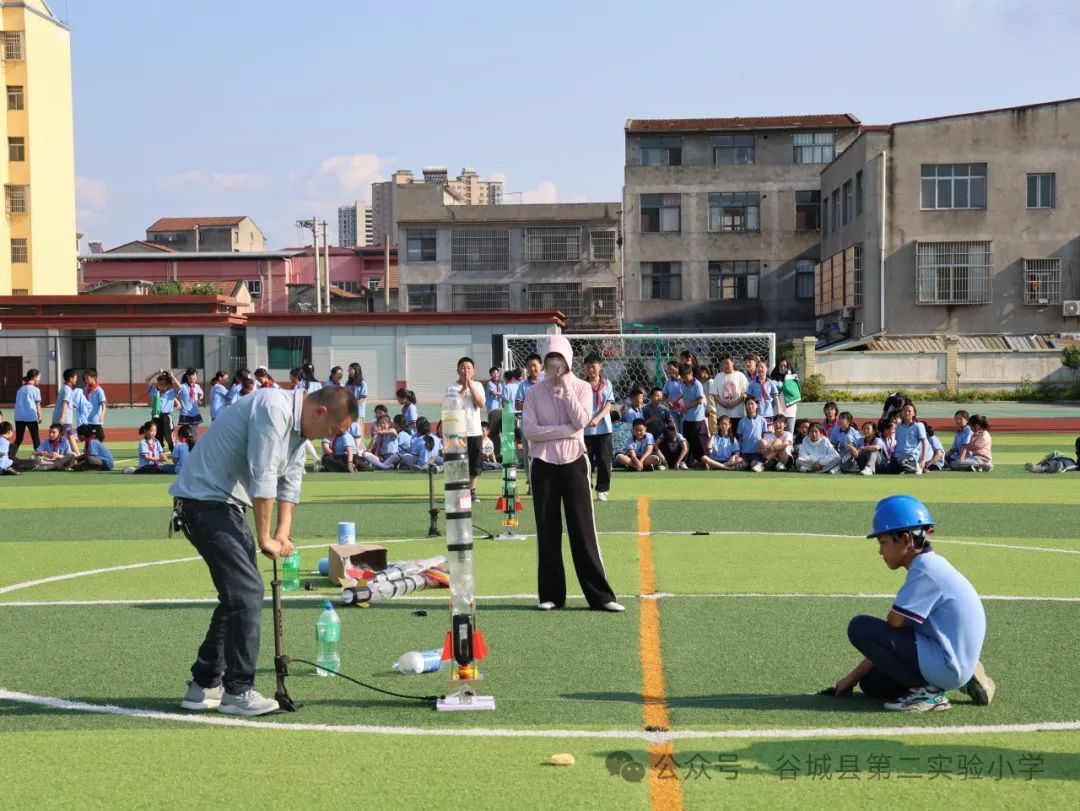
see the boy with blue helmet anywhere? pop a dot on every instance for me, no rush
(933, 635)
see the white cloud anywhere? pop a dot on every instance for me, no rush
(351, 175)
(545, 192)
(90, 194)
(499, 177)
(221, 181)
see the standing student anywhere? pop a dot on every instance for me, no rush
(409, 412)
(308, 382)
(99, 404)
(27, 410)
(219, 395)
(262, 378)
(238, 383)
(534, 366)
(656, 414)
(95, 455)
(694, 426)
(493, 391)
(597, 430)
(555, 415)
(336, 378)
(358, 387)
(790, 391)
(64, 410)
(635, 406)
(191, 395)
(932, 638)
(471, 392)
(54, 453)
(672, 390)
(164, 384)
(764, 389)
(832, 416)
(728, 391)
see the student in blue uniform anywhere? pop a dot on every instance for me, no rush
(219, 395)
(356, 384)
(95, 455)
(932, 638)
(598, 429)
(64, 411)
(185, 442)
(54, 453)
(7, 464)
(27, 410)
(164, 384)
(99, 404)
(190, 397)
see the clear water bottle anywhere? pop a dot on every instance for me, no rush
(416, 662)
(327, 640)
(290, 568)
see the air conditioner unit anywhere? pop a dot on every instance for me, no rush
(1070, 308)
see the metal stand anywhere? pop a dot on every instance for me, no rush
(433, 511)
(281, 661)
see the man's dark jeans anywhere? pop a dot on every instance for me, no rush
(230, 652)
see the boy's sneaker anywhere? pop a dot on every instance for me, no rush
(920, 699)
(613, 607)
(683, 466)
(867, 471)
(980, 688)
(661, 466)
(780, 467)
(129, 470)
(201, 698)
(601, 496)
(472, 494)
(250, 702)
(758, 467)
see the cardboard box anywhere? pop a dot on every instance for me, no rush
(369, 555)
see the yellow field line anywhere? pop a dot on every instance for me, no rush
(665, 793)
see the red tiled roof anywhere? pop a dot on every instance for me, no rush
(187, 223)
(778, 122)
(152, 246)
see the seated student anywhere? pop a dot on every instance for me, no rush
(911, 443)
(635, 407)
(426, 449)
(405, 434)
(185, 441)
(7, 435)
(151, 455)
(802, 428)
(655, 413)
(640, 451)
(724, 447)
(340, 453)
(960, 438)
(844, 436)
(407, 400)
(775, 447)
(816, 453)
(384, 454)
(932, 638)
(976, 455)
(488, 461)
(749, 432)
(832, 416)
(54, 453)
(936, 459)
(95, 455)
(869, 452)
(672, 446)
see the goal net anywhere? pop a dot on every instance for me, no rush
(638, 360)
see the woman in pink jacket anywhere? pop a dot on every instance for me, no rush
(555, 413)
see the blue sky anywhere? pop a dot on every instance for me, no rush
(283, 109)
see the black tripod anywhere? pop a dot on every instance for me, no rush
(281, 661)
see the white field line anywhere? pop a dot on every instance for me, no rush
(479, 732)
(444, 597)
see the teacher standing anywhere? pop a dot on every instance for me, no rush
(553, 421)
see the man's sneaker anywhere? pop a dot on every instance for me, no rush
(981, 687)
(920, 699)
(614, 607)
(546, 606)
(758, 467)
(250, 702)
(780, 466)
(202, 698)
(602, 496)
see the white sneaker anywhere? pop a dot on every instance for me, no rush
(866, 471)
(614, 607)
(546, 606)
(661, 466)
(129, 470)
(250, 702)
(918, 471)
(758, 467)
(683, 466)
(780, 466)
(202, 698)
(601, 496)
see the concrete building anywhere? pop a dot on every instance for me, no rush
(559, 256)
(721, 220)
(207, 234)
(466, 189)
(355, 225)
(38, 235)
(963, 224)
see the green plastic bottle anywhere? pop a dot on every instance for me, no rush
(290, 568)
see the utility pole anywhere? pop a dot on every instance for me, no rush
(313, 224)
(326, 252)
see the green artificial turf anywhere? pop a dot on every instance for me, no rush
(752, 620)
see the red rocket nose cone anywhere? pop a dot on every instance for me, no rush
(500, 505)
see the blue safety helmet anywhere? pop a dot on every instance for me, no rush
(897, 513)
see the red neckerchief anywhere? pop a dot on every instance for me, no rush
(498, 386)
(54, 445)
(90, 387)
(598, 394)
(191, 388)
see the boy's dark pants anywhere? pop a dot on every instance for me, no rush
(697, 439)
(599, 449)
(567, 487)
(893, 652)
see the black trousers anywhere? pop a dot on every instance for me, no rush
(567, 487)
(336, 464)
(164, 429)
(599, 450)
(20, 428)
(697, 439)
(893, 652)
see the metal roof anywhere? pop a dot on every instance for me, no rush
(922, 344)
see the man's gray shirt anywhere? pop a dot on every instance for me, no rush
(255, 449)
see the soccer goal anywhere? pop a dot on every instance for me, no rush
(638, 360)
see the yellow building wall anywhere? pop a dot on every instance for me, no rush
(49, 169)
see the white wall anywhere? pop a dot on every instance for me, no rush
(877, 371)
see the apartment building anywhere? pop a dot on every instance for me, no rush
(466, 189)
(355, 225)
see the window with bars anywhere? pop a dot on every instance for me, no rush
(661, 213)
(15, 97)
(733, 150)
(13, 45)
(19, 250)
(601, 301)
(420, 245)
(480, 297)
(350, 286)
(602, 245)
(16, 149)
(480, 249)
(1040, 190)
(953, 272)
(804, 278)
(813, 147)
(1042, 281)
(849, 202)
(553, 244)
(254, 287)
(735, 211)
(565, 297)
(661, 281)
(422, 298)
(16, 199)
(807, 209)
(954, 185)
(731, 281)
(661, 150)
